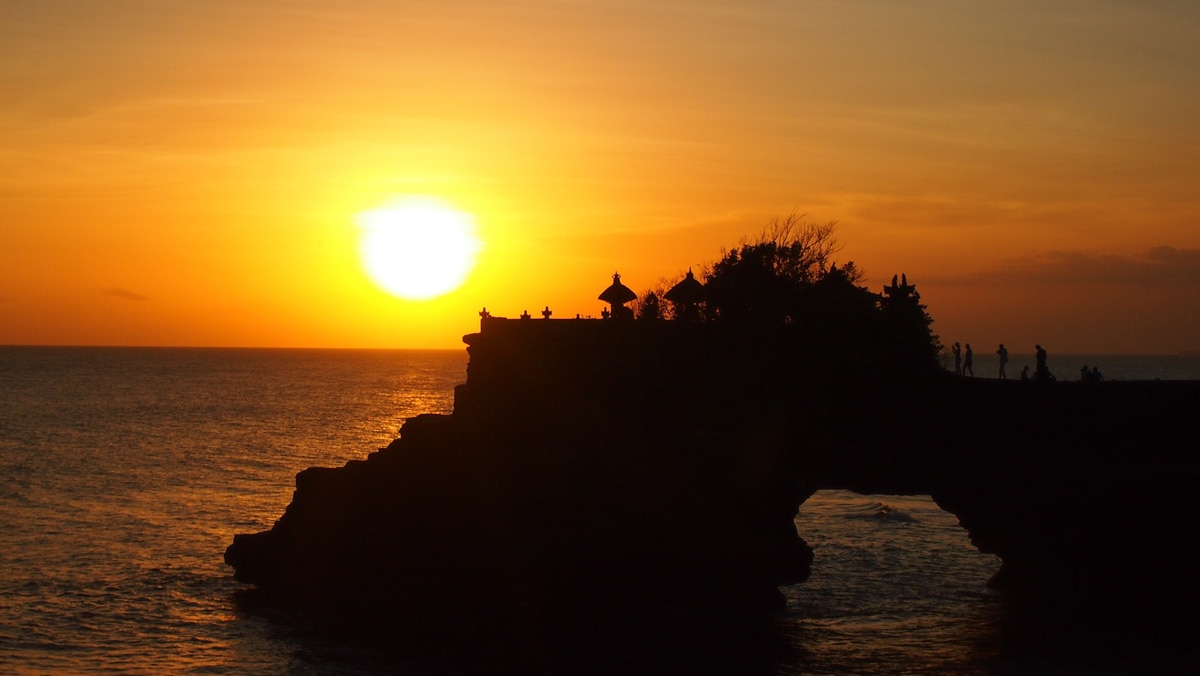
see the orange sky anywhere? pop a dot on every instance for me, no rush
(189, 173)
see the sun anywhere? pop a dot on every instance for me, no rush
(418, 248)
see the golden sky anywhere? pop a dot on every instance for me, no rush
(178, 172)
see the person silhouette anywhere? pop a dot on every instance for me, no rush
(1042, 372)
(957, 351)
(1025, 373)
(968, 359)
(1003, 354)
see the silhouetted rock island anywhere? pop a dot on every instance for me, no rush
(614, 472)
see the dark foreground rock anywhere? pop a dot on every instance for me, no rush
(601, 477)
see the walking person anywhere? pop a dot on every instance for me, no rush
(1003, 353)
(968, 358)
(957, 351)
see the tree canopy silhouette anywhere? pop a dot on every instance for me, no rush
(788, 276)
(772, 279)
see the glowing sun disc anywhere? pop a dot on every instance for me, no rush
(418, 248)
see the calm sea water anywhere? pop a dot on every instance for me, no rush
(124, 474)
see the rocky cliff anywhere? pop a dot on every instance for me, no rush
(606, 472)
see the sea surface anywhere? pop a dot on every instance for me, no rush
(125, 473)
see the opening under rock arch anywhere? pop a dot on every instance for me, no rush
(892, 575)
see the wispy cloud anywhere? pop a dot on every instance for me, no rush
(1160, 266)
(124, 294)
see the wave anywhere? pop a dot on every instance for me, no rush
(884, 512)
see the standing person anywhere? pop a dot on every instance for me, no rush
(1003, 352)
(1042, 373)
(968, 358)
(957, 350)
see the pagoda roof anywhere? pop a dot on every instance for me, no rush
(618, 293)
(688, 290)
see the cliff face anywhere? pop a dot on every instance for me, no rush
(606, 469)
(592, 471)
(1091, 500)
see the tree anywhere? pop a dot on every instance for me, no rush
(645, 308)
(765, 280)
(907, 322)
(788, 276)
(649, 308)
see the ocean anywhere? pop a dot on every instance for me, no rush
(125, 472)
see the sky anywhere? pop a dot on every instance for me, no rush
(192, 172)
